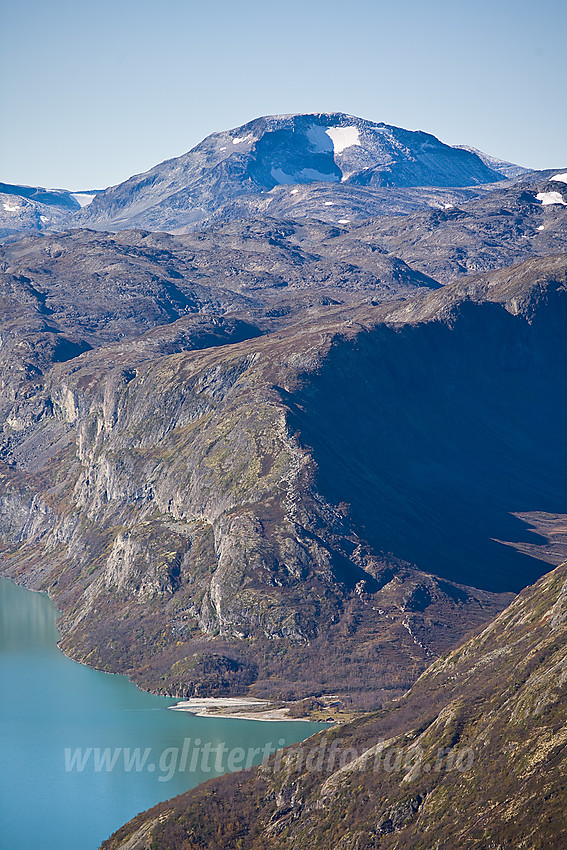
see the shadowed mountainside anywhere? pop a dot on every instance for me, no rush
(440, 436)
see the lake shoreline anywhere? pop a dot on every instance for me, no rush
(85, 750)
(227, 708)
(237, 708)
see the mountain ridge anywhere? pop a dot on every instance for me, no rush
(295, 430)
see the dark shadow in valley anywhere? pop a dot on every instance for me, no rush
(435, 434)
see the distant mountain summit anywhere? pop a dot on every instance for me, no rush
(334, 147)
(328, 167)
(280, 152)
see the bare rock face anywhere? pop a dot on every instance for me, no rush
(302, 443)
(277, 491)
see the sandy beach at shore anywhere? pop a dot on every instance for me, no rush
(236, 708)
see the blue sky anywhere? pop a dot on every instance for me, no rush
(94, 92)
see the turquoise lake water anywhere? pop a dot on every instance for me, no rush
(82, 751)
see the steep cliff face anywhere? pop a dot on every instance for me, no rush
(192, 511)
(176, 496)
(473, 755)
(430, 431)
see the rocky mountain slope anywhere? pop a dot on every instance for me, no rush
(329, 167)
(191, 510)
(502, 227)
(66, 293)
(31, 208)
(508, 169)
(474, 755)
(302, 443)
(282, 150)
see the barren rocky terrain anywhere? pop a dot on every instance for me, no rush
(193, 493)
(322, 434)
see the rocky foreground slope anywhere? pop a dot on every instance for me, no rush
(474, 755)
(316, 500)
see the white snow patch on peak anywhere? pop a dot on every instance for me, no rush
(561, 178)
(344, 221)
(548, 198)
(328, 204)
(11, 207)
(541, 227)
(305, 175)
(313, 174)
(44, 218)
(294, 191)
(343, 137)
(239, 139)
(223, 148)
